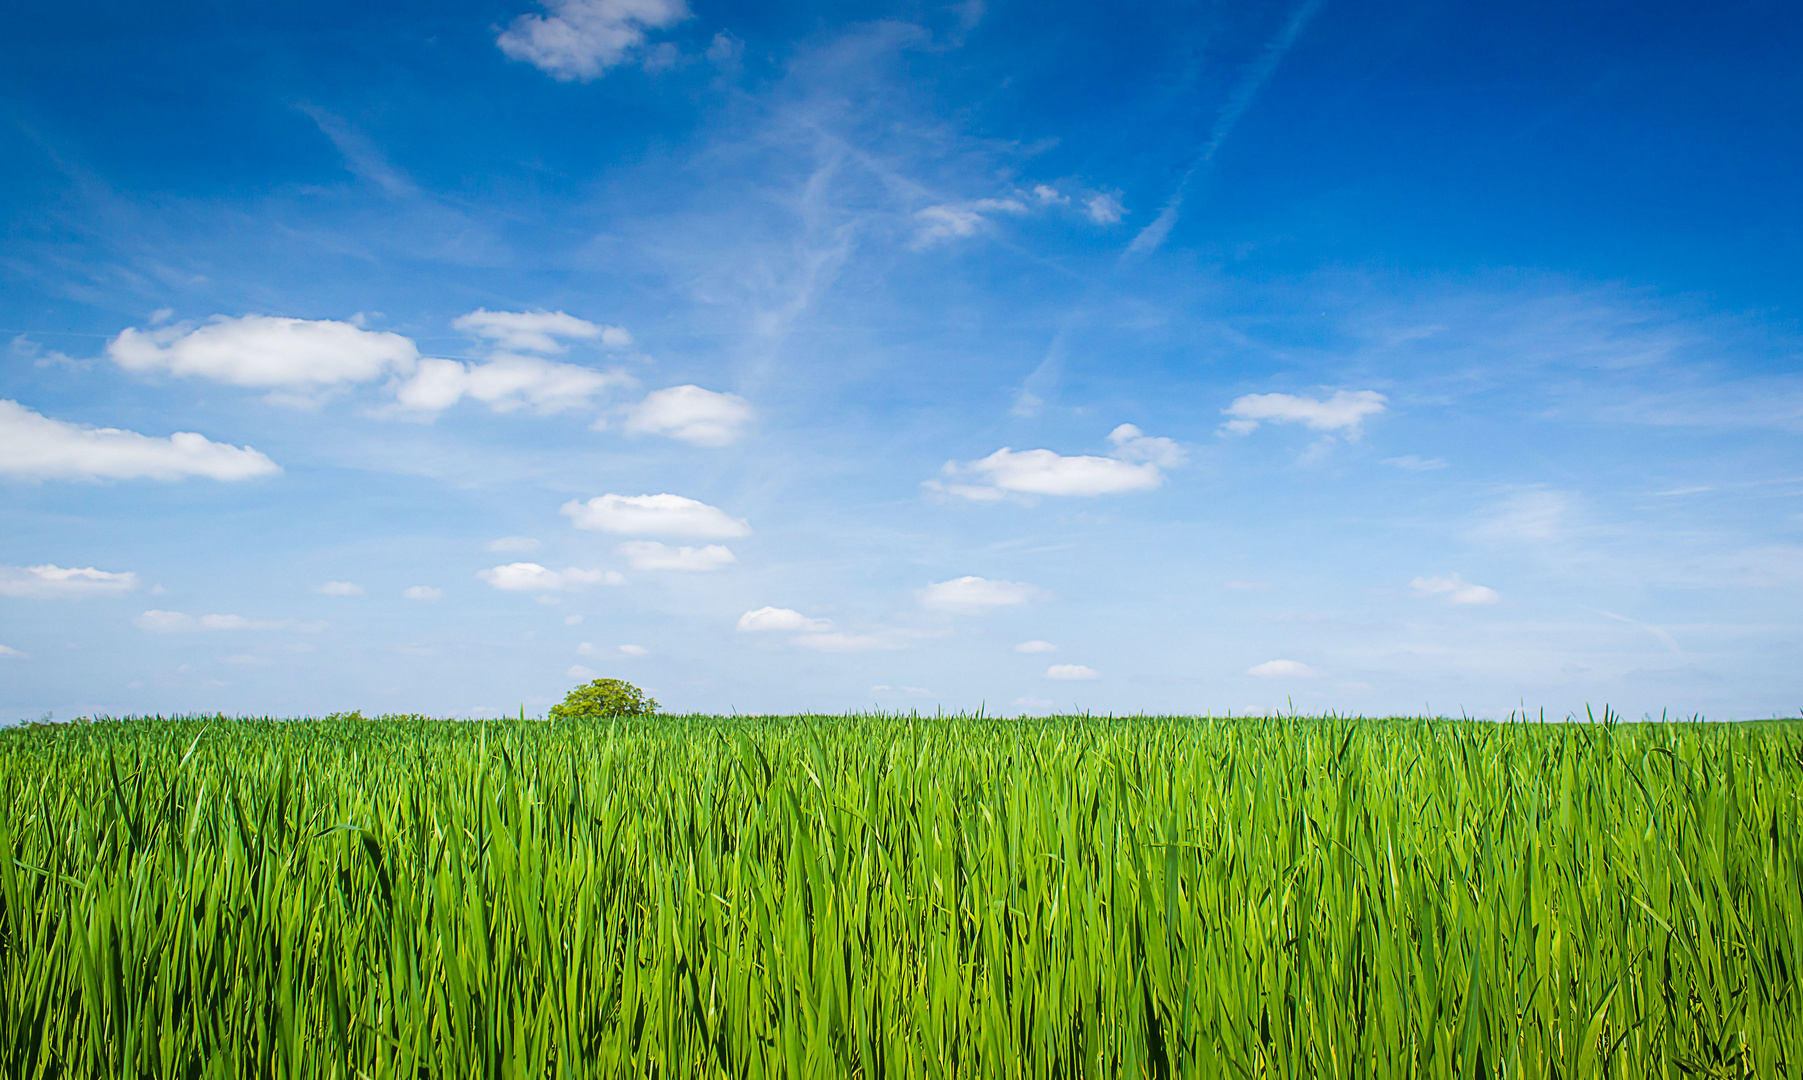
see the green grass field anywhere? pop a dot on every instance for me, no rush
(891, 897)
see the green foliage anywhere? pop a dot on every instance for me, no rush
(604, 697)
(867, 897)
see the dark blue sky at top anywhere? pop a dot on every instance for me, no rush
(1627, 141)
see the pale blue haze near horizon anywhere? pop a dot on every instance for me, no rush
(1331, 355)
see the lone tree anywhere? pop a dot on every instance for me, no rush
(604, 697)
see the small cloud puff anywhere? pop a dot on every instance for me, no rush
(1455, 590)
(422, 592)
(1271, 669)
(1035, 647)
(975, 594)
(654, 515)
(634, 650)
(505, 383)
(1072, 672)
(1104, 209)
(652, 555)
(338, 588)
(581, 39)
(531, 577)
(50, 582)
(1136, 465)
(691, 414)
(949, 221)
(775, 618)
(538, 331)
(1344, 411)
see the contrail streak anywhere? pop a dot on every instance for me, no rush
(1244, 94)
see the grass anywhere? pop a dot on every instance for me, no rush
(894, 897)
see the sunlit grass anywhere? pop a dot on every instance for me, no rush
(891, 897)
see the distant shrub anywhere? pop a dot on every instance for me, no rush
(604, 697)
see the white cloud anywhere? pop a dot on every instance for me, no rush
(577, 671)
(1136, 465)
(505, 383)
(55, 582)
(36, 447)
(1045, 193)
(1132, 444)
(537, 331)
(691, 414)
(1071, 672)
(422, 592)
(1344, 411)
(1044, 472)
(581, 39)
(652, 555)
(9, 653)
(1035, 647)
(951, 220)
(776, 618)
(654, 515)
(1104, 209)
(634, 650)
(572, 620)
(1455, 589)
(1273, 668)
(266, 351)
(168, 622)
(978, 594)
(512, 543)
(338, 588)
(885, 690)
(531, 577)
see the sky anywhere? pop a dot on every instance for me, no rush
(1325, 356)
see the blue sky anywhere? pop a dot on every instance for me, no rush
(1197, 357)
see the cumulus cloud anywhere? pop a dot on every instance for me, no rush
(973, 594)
(531, 577)
(689, 413)
(1344, 411)
(266, 351)
(49, 582)
(654, 515)
(1271, 669)
(776, 618)
(1137, 464)
(1454, 589)
(1071, 672)
(422, 592)
(505, 383)
(577, 671)
(651, 555)
(949, 221)
(634, 650)
(35, 447)
(169, 622)
(1035, 647)
(538, 331)
(1104, 209)
(1045, 472)
(338, 588)
(1132, 444)
(581, 39)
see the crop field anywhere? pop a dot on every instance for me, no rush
(889, 897)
